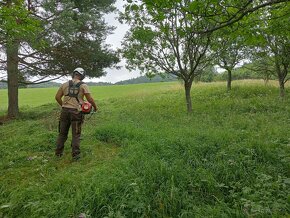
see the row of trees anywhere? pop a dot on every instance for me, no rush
(185, 37)
(182, 38)
(247, 71)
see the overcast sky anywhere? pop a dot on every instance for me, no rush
(114, 75)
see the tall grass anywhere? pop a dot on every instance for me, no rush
(143, 156)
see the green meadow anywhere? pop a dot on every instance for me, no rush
(38, 96)
(144, 156)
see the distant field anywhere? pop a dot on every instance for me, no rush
(39, 96)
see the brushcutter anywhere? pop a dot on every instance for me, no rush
(90, 115)
(87, 110)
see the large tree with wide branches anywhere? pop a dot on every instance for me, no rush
(46, 39)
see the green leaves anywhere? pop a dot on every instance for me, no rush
(194, 6)
(144, 35)
(18, 23)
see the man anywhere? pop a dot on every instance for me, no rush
(73, 92)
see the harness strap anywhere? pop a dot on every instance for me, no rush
(74, 89)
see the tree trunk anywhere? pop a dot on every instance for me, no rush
(266, 79)
(187, 87)
(229, 83)
(281, 76)
(12, 74)
(282, 88)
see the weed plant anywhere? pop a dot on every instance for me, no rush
(144, 156)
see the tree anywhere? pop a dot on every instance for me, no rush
(263, 66)
(173, 37)
(50, 38)
(161, 42)
(272, 47)
(16, 24)
(208, 74)
(228, 49)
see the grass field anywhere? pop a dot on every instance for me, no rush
(143, 156)
(39, 96)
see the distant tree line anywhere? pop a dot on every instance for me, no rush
(146, 79)
(3, 85)
(210, 74)
(247, 71)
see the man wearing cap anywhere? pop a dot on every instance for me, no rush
(70, 96)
